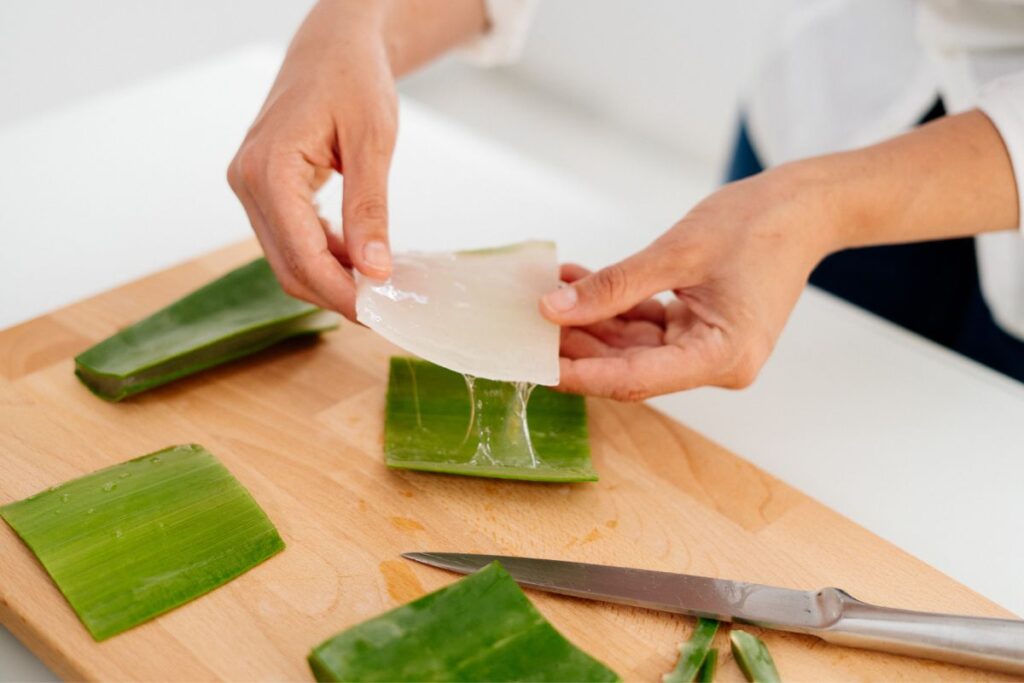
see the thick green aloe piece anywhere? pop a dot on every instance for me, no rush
(480, 628)
(709, 668)
(432, 424)
(132, 541)
(238, 314)
(753, 657)
(693, 653)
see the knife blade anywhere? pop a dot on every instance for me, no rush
(829, 613)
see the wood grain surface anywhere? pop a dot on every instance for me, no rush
(301, 427)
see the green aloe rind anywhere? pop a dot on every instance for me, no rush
(243, 312)
(693, 653)
(480, 628)
(132, 541)
(753, 657)
(432, 425)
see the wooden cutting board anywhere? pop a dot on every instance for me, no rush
(301, 427)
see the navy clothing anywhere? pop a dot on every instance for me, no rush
(930, 288)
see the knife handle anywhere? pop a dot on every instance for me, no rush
(971, 641)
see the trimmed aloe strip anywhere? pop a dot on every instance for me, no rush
(709, 668)
(129, 542)
(753, 657)
(431, 424)
(480, 628)
(693, 653)
(238, 314)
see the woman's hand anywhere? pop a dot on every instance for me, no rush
(738, 261)
(333, 108)
(736, 265)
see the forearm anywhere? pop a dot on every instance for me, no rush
(950, 178)
(412, 32)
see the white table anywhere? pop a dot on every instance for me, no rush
(922, 447)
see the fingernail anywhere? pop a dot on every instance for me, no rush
(376, 255)
(561, 300)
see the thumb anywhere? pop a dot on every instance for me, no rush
(610, 291)
(364, 209)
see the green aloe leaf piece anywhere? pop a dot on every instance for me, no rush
(709, 668)
(238, 314)
(752, 655)
(134, 540)
(480, 628)
(693, 653)
(431, 424)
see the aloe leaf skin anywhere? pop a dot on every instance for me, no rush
(132, 541)
(753, 658)
(480, 628)
(238, 314)
(431, 425)
(709, 668)
(693, 653)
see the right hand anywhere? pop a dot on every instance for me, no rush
(333, 107)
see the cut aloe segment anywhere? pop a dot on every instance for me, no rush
(236, 315)
(480, 628)
(709, 668)
(432, 424)
(753, 657)
(135, 540)
(474, 312)
(693, 653)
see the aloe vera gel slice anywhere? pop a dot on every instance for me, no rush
(475, 312)
(129, 542)
(238, 314)
(480, 628)
(440, 421)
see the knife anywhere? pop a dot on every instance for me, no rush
(830, 613)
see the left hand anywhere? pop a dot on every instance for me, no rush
(736, 265)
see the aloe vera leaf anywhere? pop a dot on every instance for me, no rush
(470, 311)
(709, 668)
(693, 653)
(753, 658)
(238, 314)
(132, 541)
(480, 628)
(431, 425)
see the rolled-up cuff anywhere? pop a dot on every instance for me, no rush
(1002, 101)
(509, 22)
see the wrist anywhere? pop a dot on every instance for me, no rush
(815, 201)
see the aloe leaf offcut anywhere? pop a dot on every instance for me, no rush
(753, 658)
(693, 653)
(441, 421)
(480, 628)
(238, 314)
(129, 542)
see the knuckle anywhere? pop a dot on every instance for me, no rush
(372, 208)
(745, 371)
(632, 393)
(291, 287)
(611, 283)
(249, 166)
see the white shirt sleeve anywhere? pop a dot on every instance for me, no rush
(1002, 100)
(509, 23)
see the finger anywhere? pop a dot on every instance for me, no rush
(611, 290)
(335, 243)
(364, 208)
(639, 375)
(285, 200)
(651, 310)
(273, 255)
(624, 334)
(577, 343)
(570, 272)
